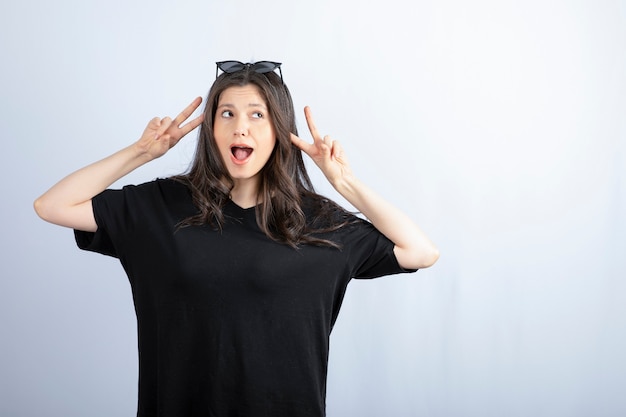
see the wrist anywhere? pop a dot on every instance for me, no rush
(140, 153)
(347, 185)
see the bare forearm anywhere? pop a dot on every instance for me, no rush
(413, 248)
(67, 203)
(87, 182)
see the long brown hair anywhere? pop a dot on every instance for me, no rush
(284, 184)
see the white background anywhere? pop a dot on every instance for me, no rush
(498, 125)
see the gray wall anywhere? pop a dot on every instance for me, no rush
(499, 126)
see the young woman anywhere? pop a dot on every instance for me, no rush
(238, 268)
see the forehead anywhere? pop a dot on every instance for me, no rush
(246, 95)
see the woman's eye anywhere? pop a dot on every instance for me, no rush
(257, 115)
(227, 113)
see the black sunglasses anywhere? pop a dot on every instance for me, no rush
(260, 67)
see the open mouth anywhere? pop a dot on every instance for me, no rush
(241, 152)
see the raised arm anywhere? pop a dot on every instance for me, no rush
(68, 202)
(413, 248)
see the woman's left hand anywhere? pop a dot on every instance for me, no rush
(412, 249)
(327, 154)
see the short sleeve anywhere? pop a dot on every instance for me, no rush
(109, 208)
(370, 252)
(130, 217)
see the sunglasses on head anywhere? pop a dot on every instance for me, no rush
(260, 67)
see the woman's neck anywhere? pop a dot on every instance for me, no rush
(245, 193)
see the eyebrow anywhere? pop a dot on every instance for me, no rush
(259, 105)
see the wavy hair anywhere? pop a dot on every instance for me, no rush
(284, 184)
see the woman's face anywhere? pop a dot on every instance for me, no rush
(243, 132)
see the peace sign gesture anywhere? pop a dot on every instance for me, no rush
(327, 154)
(161, 135)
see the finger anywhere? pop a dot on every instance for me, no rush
(153, 127)
(301, 144)
(325, 145)
(336, 150)
(311, 124)
(170, 140)
(191, 125)
(165, 123)
(154, 123)
(188, 111)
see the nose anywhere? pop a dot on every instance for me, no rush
(241, 128)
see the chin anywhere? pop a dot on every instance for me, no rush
(243, 176)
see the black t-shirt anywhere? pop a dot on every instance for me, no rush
(230, 322)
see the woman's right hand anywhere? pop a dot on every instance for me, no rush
(161, 135)
(68, 202)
